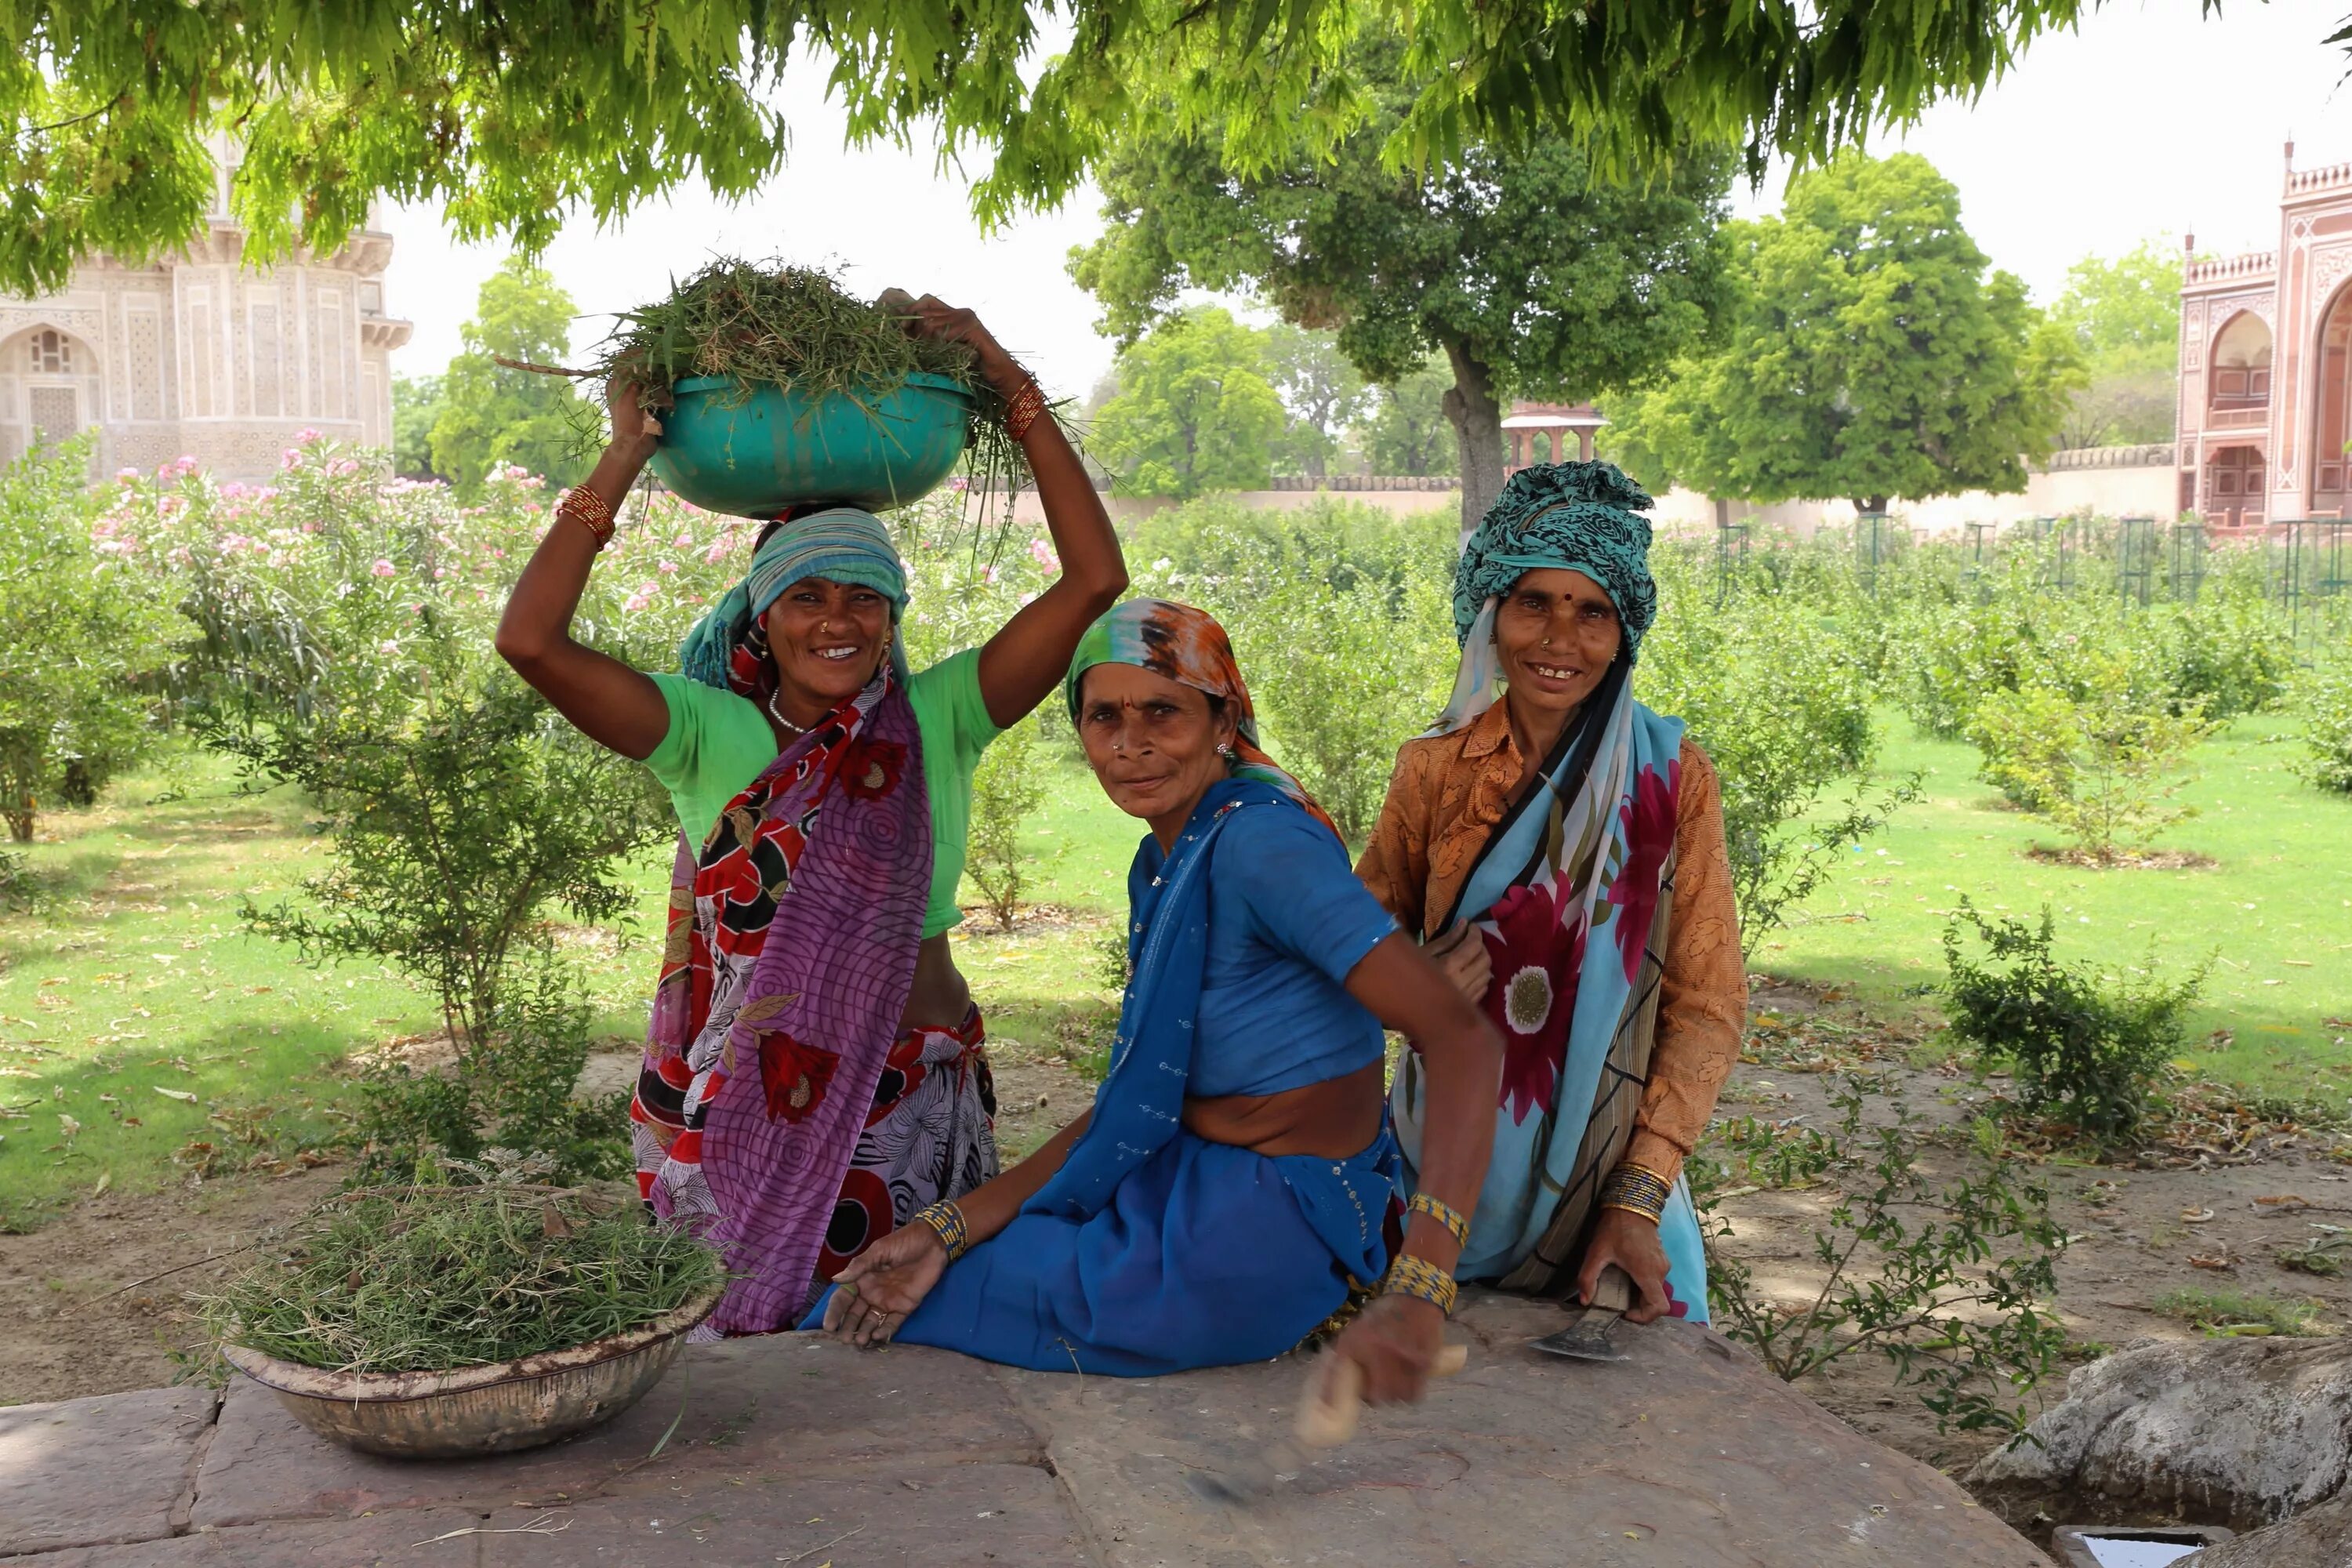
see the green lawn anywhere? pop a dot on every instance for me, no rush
(127, 983)
(2274, 913)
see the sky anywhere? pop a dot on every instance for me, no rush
(2148, 120)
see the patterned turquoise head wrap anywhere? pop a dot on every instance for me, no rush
(841, 544)
(1582, 516)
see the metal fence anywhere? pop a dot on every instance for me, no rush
(2305, 563)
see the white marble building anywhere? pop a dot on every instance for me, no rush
(198, 355)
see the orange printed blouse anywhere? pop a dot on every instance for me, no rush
(1444, 798)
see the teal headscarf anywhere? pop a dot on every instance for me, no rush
(1582, 516)
(841, 544)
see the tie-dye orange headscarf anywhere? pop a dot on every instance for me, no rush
(1187, 646)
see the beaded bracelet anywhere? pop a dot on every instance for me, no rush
(1636, 1189)
(1443, 1213)
(1022, 411)
(586, 508)
(947, 1221)
(1417, 1277)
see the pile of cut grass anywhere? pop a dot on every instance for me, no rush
(435, 1278)
(2231, 1313)
(775, 324)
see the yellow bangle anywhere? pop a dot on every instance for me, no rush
(947, 1221)
(1417, 1277)
(1443, 1213)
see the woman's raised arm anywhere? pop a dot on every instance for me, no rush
(1024, 661)
(606, 700)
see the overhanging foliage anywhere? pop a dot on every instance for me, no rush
(515, 115)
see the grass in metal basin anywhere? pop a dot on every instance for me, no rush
(431, 1279)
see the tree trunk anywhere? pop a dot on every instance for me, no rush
(20, 821)
(1477, 421)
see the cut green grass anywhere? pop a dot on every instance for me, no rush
(2239, 1312)
(433, 1280)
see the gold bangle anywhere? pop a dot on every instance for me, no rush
(1418, 1277)
(1443, 1213)
(1636, 1189)
(947, 1221)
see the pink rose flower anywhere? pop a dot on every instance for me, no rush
(305, 436)
(384, 569)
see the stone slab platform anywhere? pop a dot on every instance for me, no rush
(794, 1450)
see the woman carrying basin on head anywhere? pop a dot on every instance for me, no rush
(1560, 849)
(815, 1071)
(1232, 1187)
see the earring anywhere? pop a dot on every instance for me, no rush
(1225, 750)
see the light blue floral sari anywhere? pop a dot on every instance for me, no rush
(1570, 895)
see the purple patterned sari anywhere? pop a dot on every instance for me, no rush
(791, 951)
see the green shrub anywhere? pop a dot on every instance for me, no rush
(2083, 1047)
(83, 634)
(2229, 652)
(1780, 701)
(1006, 789)
(460, 823)
(1341, 678)
(1947, 1275)
(2102, 766)
(2323, 694)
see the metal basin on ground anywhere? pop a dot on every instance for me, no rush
(478, 1409)
(755, 456)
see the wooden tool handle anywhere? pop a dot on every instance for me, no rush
(1334, 1398)
(1613, 1291)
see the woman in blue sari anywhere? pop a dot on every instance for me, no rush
(1232, 1187)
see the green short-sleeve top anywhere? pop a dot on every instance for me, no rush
(718, 742)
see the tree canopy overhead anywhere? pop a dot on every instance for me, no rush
(1531, 277)
(515, 116)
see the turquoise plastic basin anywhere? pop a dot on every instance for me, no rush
(778, 448)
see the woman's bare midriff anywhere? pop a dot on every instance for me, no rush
(1332, 1120)
(941, 999)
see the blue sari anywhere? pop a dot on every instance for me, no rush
(1152, 1250)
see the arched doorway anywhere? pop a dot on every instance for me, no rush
(2331, 474)
(2241, 381)
(2238, 398)
(49, 389)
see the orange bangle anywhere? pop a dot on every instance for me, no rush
(1022, 411)
(586, 508)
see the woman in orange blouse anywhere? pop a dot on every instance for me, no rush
(1560, 849)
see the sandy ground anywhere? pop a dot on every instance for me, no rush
(72, 1328)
